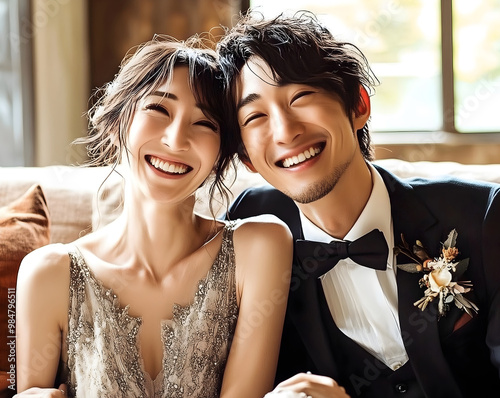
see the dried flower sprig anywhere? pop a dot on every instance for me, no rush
(441, 275)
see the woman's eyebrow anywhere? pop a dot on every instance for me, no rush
(164, 94)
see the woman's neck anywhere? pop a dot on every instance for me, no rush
(157, 236)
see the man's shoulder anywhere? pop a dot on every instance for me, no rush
(453, 187)
(443, 194)
(438, 183)
(263, 200)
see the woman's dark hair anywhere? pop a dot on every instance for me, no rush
(298, 49)
(143, 72)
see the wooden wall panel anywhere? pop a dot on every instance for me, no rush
(115, 26)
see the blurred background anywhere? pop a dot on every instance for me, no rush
(438, 62)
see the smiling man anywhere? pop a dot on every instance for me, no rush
(301, 107)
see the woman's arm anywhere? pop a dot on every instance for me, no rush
(41, 315)
(263, 254)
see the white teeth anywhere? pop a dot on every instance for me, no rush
(168, 167)
(308, 153)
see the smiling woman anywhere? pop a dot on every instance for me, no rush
(162, 302)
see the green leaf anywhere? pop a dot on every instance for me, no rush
(452, 239)
(461, 267)
(465, 304)
(449, 299)
(419, 251)
(409, 267)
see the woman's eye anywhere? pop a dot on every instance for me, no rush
(157, 108)
(251, 118)
(300, 95)
(208, 124)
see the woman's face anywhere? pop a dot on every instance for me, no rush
(172, 144)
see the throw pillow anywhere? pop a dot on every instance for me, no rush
(24, 226)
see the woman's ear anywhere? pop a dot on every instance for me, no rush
(363, 109)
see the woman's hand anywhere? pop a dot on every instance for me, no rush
(44, 392)
(309, 385)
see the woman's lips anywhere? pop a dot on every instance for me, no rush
(168, 167)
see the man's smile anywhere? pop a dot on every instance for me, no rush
(301, 157)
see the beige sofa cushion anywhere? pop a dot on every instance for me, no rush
(70, 193)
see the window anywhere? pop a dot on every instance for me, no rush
(16, 124)
(476, 65)
(438, 62)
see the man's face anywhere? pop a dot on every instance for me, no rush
(296, 136)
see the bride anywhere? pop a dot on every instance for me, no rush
(162, 302)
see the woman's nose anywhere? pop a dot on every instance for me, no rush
(176, 136)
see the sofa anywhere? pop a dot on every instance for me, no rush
(41, 205)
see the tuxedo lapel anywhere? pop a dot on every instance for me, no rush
(305, 312)
(419, 328)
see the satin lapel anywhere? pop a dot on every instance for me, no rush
(419, 328)
(304, 310)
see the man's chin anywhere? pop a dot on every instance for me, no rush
(311, 193)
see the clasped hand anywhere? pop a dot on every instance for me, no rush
(36, 392)
(310, 385)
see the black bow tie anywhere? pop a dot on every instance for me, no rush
(317, 258)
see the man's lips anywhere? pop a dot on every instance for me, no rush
(301, 157)
(168, 167)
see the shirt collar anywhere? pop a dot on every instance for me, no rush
(375, 215)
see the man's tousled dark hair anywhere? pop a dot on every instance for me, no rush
(298, 49)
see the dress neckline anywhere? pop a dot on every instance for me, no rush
(122, 313)
(109, 295)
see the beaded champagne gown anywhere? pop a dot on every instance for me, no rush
(103, 354)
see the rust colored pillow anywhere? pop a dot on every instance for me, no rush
(24, 226)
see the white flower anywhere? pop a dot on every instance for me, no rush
(439, 278)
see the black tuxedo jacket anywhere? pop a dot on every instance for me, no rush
(455, 356)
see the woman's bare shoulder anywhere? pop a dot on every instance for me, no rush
(265, 225)
(263, 239)
(50, 261)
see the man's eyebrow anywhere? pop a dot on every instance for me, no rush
(164, 94)
(247, 100)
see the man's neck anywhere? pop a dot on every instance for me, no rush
(338, 211)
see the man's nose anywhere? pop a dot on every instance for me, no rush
(285, 127)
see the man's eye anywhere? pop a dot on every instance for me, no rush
(300, 94)
(157, 108)
(252, 118)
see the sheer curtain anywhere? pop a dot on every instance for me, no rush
(61, 78)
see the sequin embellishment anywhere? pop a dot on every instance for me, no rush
(103, 351)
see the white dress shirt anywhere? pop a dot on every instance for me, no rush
(363, 301)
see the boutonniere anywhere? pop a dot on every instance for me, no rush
(441, 275)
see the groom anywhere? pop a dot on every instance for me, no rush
(302, 106)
